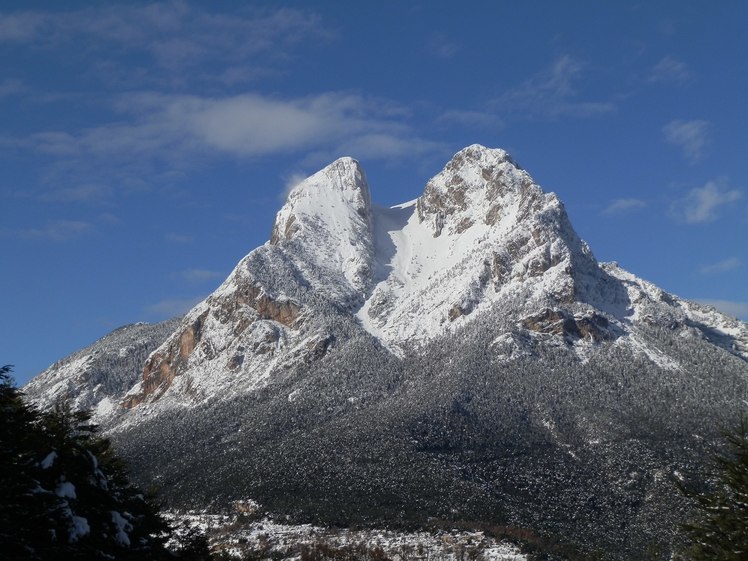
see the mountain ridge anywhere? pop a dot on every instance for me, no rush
(463, 355)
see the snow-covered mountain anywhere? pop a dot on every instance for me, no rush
(97, 377)
(482, 235)
(442, 351)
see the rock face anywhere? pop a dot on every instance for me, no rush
(593, 327)
(461, 356)
(254, 323)
(98, 376)
(483, 232)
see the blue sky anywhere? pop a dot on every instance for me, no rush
(145, 147)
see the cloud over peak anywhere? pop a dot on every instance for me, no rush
(176, 128)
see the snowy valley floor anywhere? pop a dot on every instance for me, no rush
(243, 536)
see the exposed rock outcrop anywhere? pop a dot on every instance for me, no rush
(241, 308)
(591, 327)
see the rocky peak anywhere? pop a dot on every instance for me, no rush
(339, 186)
(478, 185)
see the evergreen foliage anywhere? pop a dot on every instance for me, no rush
(720, 533)
(63, 492)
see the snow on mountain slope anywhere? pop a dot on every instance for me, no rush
(482, 231)
(98, 376)
(484, 235)
(651, 305)
(260, 320)
(460, 355)
(482, 238)
(327, 223)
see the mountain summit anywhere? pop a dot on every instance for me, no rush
(482, 237)
(463, 356)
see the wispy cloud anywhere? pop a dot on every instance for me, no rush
(730, 307)
(702, 204)
(173, 237)
(198, 276)
(623, 205)
(669, 70)
(93, 193)
(692, 137)
(179, 129)
(724, 266)
(57, 231)
(290, 182)
(440, 46)
(162, 50)
(172, 307)
(553, 93)
(23, 27)
(9, 87)
(174, 36)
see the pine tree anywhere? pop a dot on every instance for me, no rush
(64, 494)
(720, 532)
(102, 513)
(27, 513)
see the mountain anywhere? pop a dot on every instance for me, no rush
(98, 377)
(461, 356)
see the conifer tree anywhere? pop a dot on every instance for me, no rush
(27, 513)
(64, 494)
(720, 532)
(102, 512)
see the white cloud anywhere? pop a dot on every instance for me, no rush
(692, 137)
(670, 70)
(187, 47)
(623, 205)
(553, 93)
(22, 26)
(58, 231)
(108, 219)
(723, 266)
(386, 145)
(291, 182)
(179, 128)
(703, 203)
(729, 307)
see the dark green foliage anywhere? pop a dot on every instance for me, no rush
(25, 514)
(192, 544)
(577, 450)
(720, 532)
(63, 492)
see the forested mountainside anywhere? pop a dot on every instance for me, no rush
(98, 376)
(463, 356)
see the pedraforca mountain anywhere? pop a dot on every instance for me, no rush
(463, 356)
